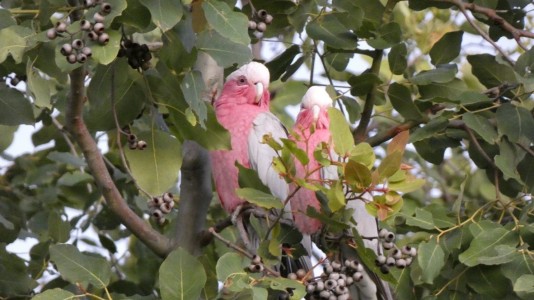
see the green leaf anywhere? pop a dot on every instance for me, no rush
(181, 276)
(248, 178)
(66, 158)
(447, 48)
(489, 72)
(58, 229)
(433, 127)
(228, 265)
(397, 59)
(80, 268)
(38, 86)
(165, 13)
(387, 35)
(300, 154)
(515, 122)
(504, 254)
(364, 154)
(260, 198)
(341, 135)
(156, 167)
(389, 165)
(482, 126)
(507, 160)
(452, 90)
(193, 87)
(484, 245)
(283, 284)
(401, 99)
(54, 294)
(14, 42)
(362, 85)
(74, 178)
(423, 219)
(441, 74)
(278, 65)
(336, 197)
(431, 259)
(329, 29)
(7, 133)
(14, 278)
(410, 184)
(229, 24)
(488, 281)
(357, 174)
(224, 51)
(15, 109)
(6, 19)
(524, 285)
(106, 54)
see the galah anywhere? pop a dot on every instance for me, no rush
(243, 109)
(310, 130)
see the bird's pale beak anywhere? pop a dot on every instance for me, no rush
(316, 110)
(259, 92)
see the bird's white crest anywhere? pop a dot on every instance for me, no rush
(316, 96)
(254, 72)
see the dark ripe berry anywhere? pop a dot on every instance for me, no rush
(262, 13)
(141, 145)
(93, 36)
(72, 58)
(103, 39)
(256, 259)
(61, 27)
(252, 25)
(357, 276)
(77, 44)
(99, 27)
(268, 19)
(261, 27)
(157, 214)
(122, 52)
(99, 18)
(51, 33)
(81, 58)
(384, 269)
(127, 43)
(66, 49)
(105, 8)
(133, 62)
(87, 51)
(85, 25)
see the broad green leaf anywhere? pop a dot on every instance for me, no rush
(362, 85)
(38, 86)
(410, 184)
(364, 154)
(353, 108)
(58, 229)
(165, 13)
(156, 168)
(447, 48)
(507, 160)
(231, 25)
(260, 198)
(341, 135)
(489, 72)
(441, 74)
(524, 286)
(193, 86)
(525, 63)
(484, 245)
(14, 42)
(452, 90)
(283, 284)
(224, 51)
(299, 153)
(228, 265)
(504, 254)
(387, 35)
(431, 258)
(80, 268)
(488, 281)
(422, 219)
(54, 294)
(14, 278)
(181, 276)
(336, 197)
(106, 54)
(401, 99)
(397, 59)
(329, 29)
(521, 264)
(357, 174)
(74, 178)
(389, 165)
(6, 19)
(248, 178)
(278, 65)
(482, 126)
(66, 158)
(435, 126)
(15, 109)
(515, 122)
(7, 133)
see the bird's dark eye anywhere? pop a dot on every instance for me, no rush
(241, 80)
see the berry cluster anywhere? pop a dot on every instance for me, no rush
(138, 55)
(256, 265)
(134, 143)
(400, 258)
(260, 20)
(160, 206)
(76, 50)
(334, 283)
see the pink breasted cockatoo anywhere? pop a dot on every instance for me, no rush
(243, 109)
(314, 114)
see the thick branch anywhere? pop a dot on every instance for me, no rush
(76, 126)
(384, 136)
